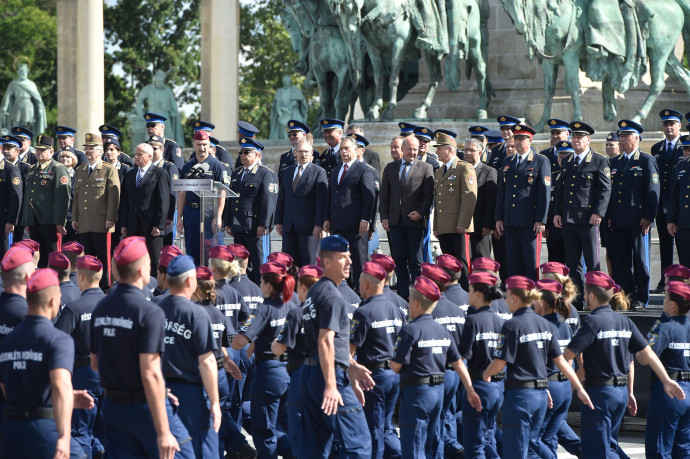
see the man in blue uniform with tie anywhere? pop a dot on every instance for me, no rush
(559, 131)
(10, 193)
(329, 159)
(498, 153)
(678, 217)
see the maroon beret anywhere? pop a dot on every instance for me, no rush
(677, 271)
(168, 253)
(282, 258)
(203, 273)
(310, 270)
(427, 288)
(679, 288)
(549, 285)
(449, 262)
(273, 267)
(554, 267)
(383, 261)
(130, 249)
(238, 250)
(482, 277)
(30, 244)
(72, 247)
(89, 262)
(40, 279)
(519, 282)
(373, 269)
(202, 135)
(221, 252)
(485, 263)
(16, 256)
(58, 259)
(601, 280)
(435, 273)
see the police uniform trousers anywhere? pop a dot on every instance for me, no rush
(523, 414)
(194, 412)
(268, 397)
(583, 241)
(192, 233)
(561, 394)
(599, 427)
(18, 234)
(23, 438)
(129, 430)
(668, 423)
(665, 243)
(683, 241)
(568, 439)
(359, 255)
(379, 404)
(295, 423)
(455, 244)
(301, 246)
(223, 394)
(478, 428)
(95, 244)
(555, 245)
(348, 426)
(521, 252)
(420, 419)
(46, 235)
(255, 246)
(480, 246)
(233, 405)
(407, 251)
(448, 432)
(499, 248)
(630, 268)
(84, 421)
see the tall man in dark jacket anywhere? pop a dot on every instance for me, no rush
(480, 239)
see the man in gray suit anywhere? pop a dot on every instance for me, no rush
(407, 192)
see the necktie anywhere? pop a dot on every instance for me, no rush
(625, 160)
(298, 177)
(579, 160)
(403, 174)
(669, 147)
(140, 175)
(90, 170)
(445, 169)
(244, 174)
(342, 176)
(519, 161)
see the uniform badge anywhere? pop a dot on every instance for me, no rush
(451, 189)
(652, 339)
(607, 172)
(43, 182)
(16, 181)
(273, 187)
(178, 152)
(470, 179)
(175, 176)
(499, 343)
(397, 342)
(655, 179)
(452, 177)
(505, 168)
(547, 181)
(63, 180)
(354, 323)
(530, 180)
(376, 185)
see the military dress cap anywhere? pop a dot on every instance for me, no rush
(406, 128)
(444, 139)
(493, 136)
(613, 137)
(679, 288)
(19, 131)
(427, 288)
(58, 259)
(110, 131)
(677, 271)
(29, 244)
(507, 121)
(42, 279)
(578, 127)
(564, 147)
(332, 123)
(273, 267)
(130, 249)
(520, 282)
(453, 134)
(203, 273)
(239, 251)
(180, 265)
(629, 126)
(449, 262)
(221, 252)
(153, 118)
(11, 140)
(89, 262)
(17, 255)
(111, 141)
(335, 243)
(92, 140)
(282, 258)
(423, 133)
(488, 264)
(65, 131)
(523, 129)
(214, 142)
(247, 129)
(600, 279)
(374, 269)
(435, 273)
(168, 253)
(202, 135)
(670, 115)
(558, 125)
(554, 267)
(296, 125)
(204, 126)
(383, 261)
(250, 144)
(482, 277)
(549, 285)
(478, 131)
(685, 141)
(156, 139)
(43, 142)
(359, 139)
(310, 270)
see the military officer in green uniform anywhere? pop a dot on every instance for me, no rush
(47, 199)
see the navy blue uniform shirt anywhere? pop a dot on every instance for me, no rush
(563, 333)
(524, 191)
(215, 167)
(69, 292)
(292, 335)
(671, 342)
(679, 195)
(458, 296)
(450, 316)
(374, 328)
(396, 300)
(350, 296)
(230, 302)
(250, 292)
(480, 337)
(13, 308)
(219, 326)
(264, 324)
(75, 320)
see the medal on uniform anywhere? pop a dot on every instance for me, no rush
(530, 180)
(451, 189)
(43, 182)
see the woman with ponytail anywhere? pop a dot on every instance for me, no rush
(525, 344)
(271, 382)
(292, 270)
(560, 273)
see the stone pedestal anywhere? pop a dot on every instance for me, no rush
(220, 37)
(80, 63)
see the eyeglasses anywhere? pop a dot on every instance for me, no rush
(294, 134)
(247, 152)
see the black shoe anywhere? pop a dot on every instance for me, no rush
(660, 289)
(638, 306)
(243, 452)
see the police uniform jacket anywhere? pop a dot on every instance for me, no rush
(148, 203)
(634, 190)
(498, 153)
(670, 340)
(485, 157)
(416, 194)
(256, 203)
(524, 191)
(353, 200)
(28, 158)
(75, 320)
(10, 192)
(666, 162)
(173, 153)
(551, 154)
(219, 327)
(302, 209)
(584, 190)
(96, 197)
(287, 159)
(48, 194)
(487, 184)
(554, 232)
(679, 196)
(291, 335)
(224, 157)
(330, 159)
(125, 159)
(23, 171)
(455, 197)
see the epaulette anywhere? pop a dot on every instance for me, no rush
(600, 154)
(168, 140)
(169, 162)
(225, 164)
(267, 168)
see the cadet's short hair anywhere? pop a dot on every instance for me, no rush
(41, 297)
(17, 276)
(179, 281)
(89, 275)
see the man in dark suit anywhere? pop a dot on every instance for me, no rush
(351, 200)
(407, 192)
(144, 202)
(370, 156)
(158, 144)
(480, 239)
(559, 132)
(299, 212)
(297, 131)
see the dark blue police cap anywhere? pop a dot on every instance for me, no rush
(564, 147)
(578, 127)
(360, 139)
(478, 131)
(493, 136)
(629, 126)
(214, 142)
(507, 121)
(685, 141)
(423, 133)
(247, 129)
(335, 243)
(65, 131)
(152, 118)
(11, 140)
(453, 134)
(22, 132)
(110, 131)
(670, 115)
(247, 143)
(558, 125)
(406, 128)
(332, 123)
(111, 141)
(613, 137)
(295, 125)
(180, 265)
(204, 126)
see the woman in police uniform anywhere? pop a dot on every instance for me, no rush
(559, 272)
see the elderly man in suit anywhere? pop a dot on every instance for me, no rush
(299, 213)
(487, 183)
(455, 197)
(407, 192)
(95, 202)
(144, 202)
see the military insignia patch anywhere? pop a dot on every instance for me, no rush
(291, 124)
(424, 131)
(666, 113)
(148, 117)
(324, 122)
(470, 179)
(577, 125)
(63, 180)
(354, 323)
(376, 185)
(624, 124)
(499, 343)
(175, 176)
(530, 180)
(547, 181)
(43, 183)
(652, 339)
(655, 179)
(273, 187)
(518, 128)
(503, 118)
(607, 172)
(16, 181)
(178, 152)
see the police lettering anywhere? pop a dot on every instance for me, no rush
(21, 355)
(540, 336)
(86, 316)
(178, 329)
(445, 342)
(5, 330)
(386, 323)
(120, 322)
(614, 334)
(277, 323)
(229, 308)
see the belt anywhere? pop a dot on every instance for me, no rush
(558, 376)
(193, 205)
(532, 384)
(432, 380)
(674, 375)
(293, 365)
(220, 363)
(267, 357)
(377, 366)
(616, 381)
(126, 397)
(81, 363)
(479, 374)
(315, 363)
(20, 412)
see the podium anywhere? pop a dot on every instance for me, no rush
(208, 191)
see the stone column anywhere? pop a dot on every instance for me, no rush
(220, 38)
(81, 81)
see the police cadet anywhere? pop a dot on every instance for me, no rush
(250, 292)
(26, 153)
(375, 326)
(678, 216)
(479, 339)
(47, 199)
(631, 211)
(58, 262)
(554, 235)
(667, 153)
(331, 409)
(168, 252)
(559, 272)
(498, 153)
(35, 377)
(173, 173)
(249, 217)
(559, 131)
(422, 352)
(478, 132)
(582, 197)
(10, 192)
(10, 151)
(189, 363)
(112, 133)
(454, 291)
(525, 345)
(271, 381)
(75, 320)
(126, 345)
(499, 305)
(296, 131)
(65, 142)
(607, 341)
(388, 265)
(155, 125)
(668, 425)
(330, 159)
(522, 203)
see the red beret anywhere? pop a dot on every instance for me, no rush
(427, 288)
(89, 262)
(202, 135)
(203, 273)
(549, 285)
(554, 267)
(519, 282)
(374, 269)
(30, 244)
(601, 280)
(72, 247)
(168, 253)
(485, 263)
(677, 271)
(40, 279)
(238, 250)
(16, 256)
(273, 267)
(482, 278)
(449, 262)
(58, 259)
(221, 252)
(282, 258)
(679, 288)
(130, 249)
(310, 270)
(383, 261)
(435, 273)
